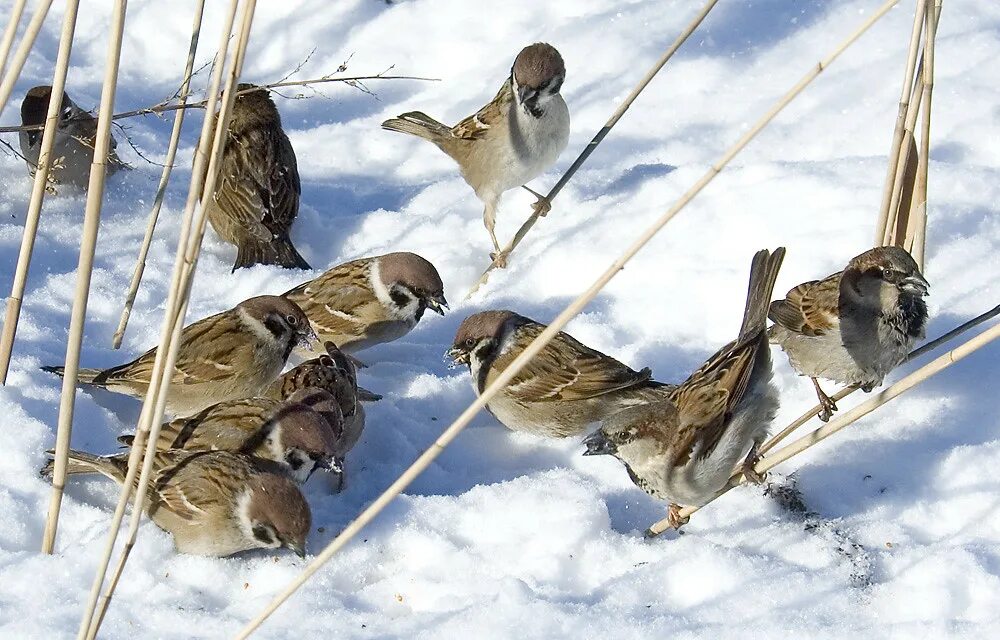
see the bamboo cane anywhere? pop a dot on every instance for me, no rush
(548, 334)
(897, 135)
(148, 422)
(161, 190)
(23, 49)
(863, 409)
(41, 174)
(914, 237)
(88, 243)
(8, 35)
(846, 391)
(193, 249)
(598, 137)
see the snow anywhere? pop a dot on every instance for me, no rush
(507, 535)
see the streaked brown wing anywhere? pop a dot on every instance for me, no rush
(192, 484)
(335, 301)
(811, 308)
(225, 426)
(491, 115)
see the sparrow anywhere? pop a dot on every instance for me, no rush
(233, 354)
(328, 384)
(510, 141)
(855, 326)
(369, 301)
(257, 193)
(216, 503)
(685, 447)
(290, 434)
(562, 390)
(73, 151)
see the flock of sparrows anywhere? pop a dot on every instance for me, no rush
(228, 467)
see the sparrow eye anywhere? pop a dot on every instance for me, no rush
(292, 320)
(326, 361)
(469, 342)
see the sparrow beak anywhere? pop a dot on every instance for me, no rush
(437, 304)
(598, 445)
(458, 356)
(298, 547)
(915, 284)
(526, 94)
(308, 339)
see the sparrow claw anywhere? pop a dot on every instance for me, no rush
(674, 518)
(542, 205)
(748, 467)
(826, 403)
(499, 258)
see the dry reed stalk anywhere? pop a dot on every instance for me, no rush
(152, 408)
(896, 146)
(904, 384)
(191, 260)
(548, 334)
(85, 267)
(598, 137)
(23, 49)
(8, 35)
(41, 177)
(161, 190)
(915, 231)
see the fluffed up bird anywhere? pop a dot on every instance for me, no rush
(855, 326)
(562, 390)
(288, 433)
(685, 448)
(233, 354)
(216, 503)
(369, 301)
(257, 192)
(510, 141)
(73, 151)
(328, 384)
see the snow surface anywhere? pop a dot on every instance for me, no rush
(506, 535)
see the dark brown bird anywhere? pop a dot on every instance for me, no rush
(257, 194)
(73, 151)
(685, 448)
(855, 326)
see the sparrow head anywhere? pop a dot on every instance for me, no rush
(326, 405)
(636, 434)
(323, 374)
(537, 76)
(277, 513)
(253, 107)
(281, 318)
(884, 273)
(304, 439)
(479, 335)
(409, 278)
(35, 106)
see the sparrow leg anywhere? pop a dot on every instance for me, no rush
(490, 220)
(828, 405)
(339, 481)
(753, 457)
(543, 205)
(674, 518)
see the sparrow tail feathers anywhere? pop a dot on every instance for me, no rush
(278, 251)
(418, 124)
(763, 274)
(81, 462)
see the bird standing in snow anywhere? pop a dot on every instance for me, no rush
(73, 151)
(511, 140)
(855, 326)
(257, 194)
(684, 449)
(562, 390)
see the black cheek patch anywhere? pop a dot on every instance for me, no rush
(275, 326)
(263, 533)
(400, 298)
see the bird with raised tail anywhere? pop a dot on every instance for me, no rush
(855, 326)
(562, 390)
(684, 448)
(510, 141)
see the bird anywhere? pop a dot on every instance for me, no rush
(289, 433)
(257, 192)
(369, 301)
(328, 384)
(510, 141)
(216, 503)
(561, 391)
(854, 326)
(73, 151)
(684, 448)
(230, 355)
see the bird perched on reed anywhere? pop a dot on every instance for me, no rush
(288, 433)
(257, 192)
(684, 448)
(369, 301)
(216, 503)
(230, 355)
(73, 150)
(855, 326)
(330, 379)
(562, 390)
(510, 141)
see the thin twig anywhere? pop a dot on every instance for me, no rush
(8, 35)
(592, 145)
(546, 336)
